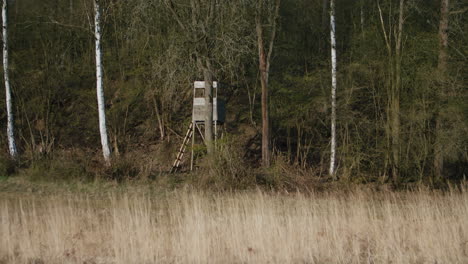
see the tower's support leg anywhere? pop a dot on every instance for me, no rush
(193, 144)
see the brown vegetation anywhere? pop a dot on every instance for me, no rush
(249, 227)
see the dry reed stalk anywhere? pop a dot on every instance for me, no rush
(193, 227)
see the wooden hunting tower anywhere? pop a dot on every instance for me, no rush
(199, 105)
(198, 118)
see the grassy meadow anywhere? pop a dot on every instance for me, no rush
(187, 226)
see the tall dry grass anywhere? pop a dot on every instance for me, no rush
(254, 227)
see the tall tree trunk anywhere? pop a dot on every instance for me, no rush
(99, 85)
(443, 36)
(442, 68)
(71, 11)
(264, 84)
(394, 87)
(324, 14)
(333, 88)
(10, 125)
(264, 59)
(395, 98)
(207, 74)
(362, 16)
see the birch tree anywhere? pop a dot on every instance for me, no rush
(99, 84)
(264, 60)
(333, 88)
(10, 122)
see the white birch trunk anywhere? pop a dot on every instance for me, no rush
(10, 125)
(333, 91)
(99, 84)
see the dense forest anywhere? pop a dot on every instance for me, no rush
(400, 103)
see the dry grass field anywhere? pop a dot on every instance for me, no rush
(246, 227)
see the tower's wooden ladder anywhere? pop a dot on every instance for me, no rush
(182, 149)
